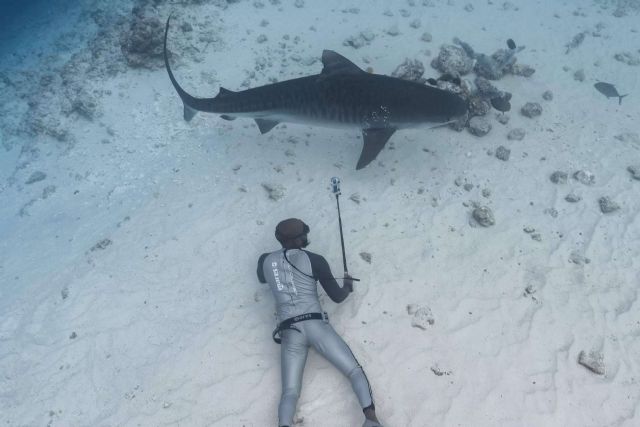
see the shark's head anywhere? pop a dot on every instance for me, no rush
(451, 107)
(429, 106)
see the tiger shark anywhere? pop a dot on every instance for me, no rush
(342, 95)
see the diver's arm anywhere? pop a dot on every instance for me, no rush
(260, 271)
(322, 272)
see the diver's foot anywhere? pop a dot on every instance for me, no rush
(371, 423)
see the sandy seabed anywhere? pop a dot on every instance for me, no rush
(129, 237)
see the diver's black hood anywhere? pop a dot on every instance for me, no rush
(288, 230)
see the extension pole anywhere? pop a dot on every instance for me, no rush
(335, 187)
(344, 256)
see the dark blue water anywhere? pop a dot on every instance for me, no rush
(16, 13)
(28, 28)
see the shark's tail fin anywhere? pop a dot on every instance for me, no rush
(620, 98)
(187, 99)
(188, 112)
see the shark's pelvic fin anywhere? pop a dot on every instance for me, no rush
(266, 125)
(374, 141)
(334, 63)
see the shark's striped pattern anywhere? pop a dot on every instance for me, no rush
(342, 95)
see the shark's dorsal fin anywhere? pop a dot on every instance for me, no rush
(266, 125)
(334, 63)
(224, 92)
(374, 141)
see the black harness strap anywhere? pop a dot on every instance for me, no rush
(299, 271)
(314, 277)
(288, 323)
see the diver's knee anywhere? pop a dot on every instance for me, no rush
(356, 371)
(290, 394)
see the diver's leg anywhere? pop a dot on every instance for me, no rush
(293, 356)
(332, 347)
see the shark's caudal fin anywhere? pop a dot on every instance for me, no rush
(620, 98)
(374, 141)
(191, 104)
(188, 111)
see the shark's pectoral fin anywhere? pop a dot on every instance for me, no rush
(374, 141)
(189, 113)
(266, 125)
(227, 117)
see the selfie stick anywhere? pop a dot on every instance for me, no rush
(335, 188)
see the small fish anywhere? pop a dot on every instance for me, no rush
(432, 81)
(511, 44)
(609, 90)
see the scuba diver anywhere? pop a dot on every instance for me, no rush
(292, 274)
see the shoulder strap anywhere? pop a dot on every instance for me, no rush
(294, 266)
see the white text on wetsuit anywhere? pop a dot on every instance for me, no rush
(276, 275)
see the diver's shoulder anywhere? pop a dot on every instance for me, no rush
(313, 255)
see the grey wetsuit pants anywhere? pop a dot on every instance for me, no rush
(320, 335)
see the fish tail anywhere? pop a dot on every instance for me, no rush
(620, 98)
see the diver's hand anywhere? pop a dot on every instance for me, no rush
(347, 282)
